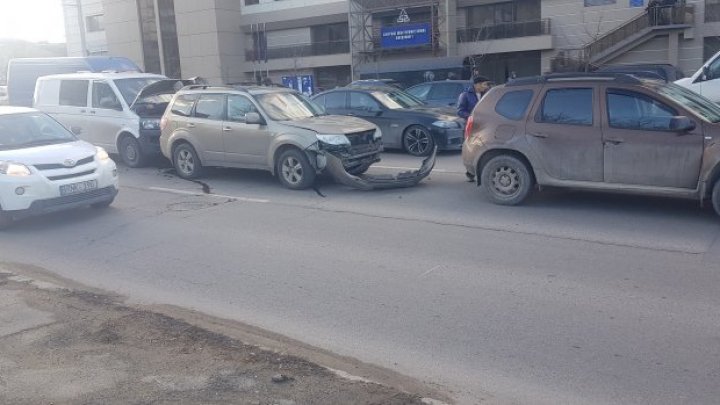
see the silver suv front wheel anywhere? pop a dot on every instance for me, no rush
(294, 170)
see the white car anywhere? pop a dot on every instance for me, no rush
(706, 81)
(46, 168)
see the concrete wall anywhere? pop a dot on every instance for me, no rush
(122, 28)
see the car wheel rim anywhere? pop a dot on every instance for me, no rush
(186, 162)
(292, 170)
(418, 141)
(506, 181)
(130, 152)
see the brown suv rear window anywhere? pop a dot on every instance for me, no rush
(513, 104)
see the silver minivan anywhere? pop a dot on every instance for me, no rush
(274, 129)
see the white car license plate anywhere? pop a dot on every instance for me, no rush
(78, 188)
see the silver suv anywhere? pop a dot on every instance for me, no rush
(273, 129)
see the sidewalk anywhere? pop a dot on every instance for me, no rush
(62, 346)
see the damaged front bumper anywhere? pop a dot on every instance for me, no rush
(379, 181)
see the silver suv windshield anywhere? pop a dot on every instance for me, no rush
(129, 88)
(286, 106)
(692, 101)
(31, 129)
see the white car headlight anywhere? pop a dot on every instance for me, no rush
(101, 154)
(334, 139)
(378, 135)
(446, 124)
(150, 124)
(14, 169)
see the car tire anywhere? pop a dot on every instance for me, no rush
(716, 196)
(507, 180)
(103, 204)
(294, 170)
(130, 152)
(356, 171)
(186, 161)
(418, 141)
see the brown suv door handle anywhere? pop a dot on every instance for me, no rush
(190, 125)
(541, 135)
(614, 141)
(227, 129)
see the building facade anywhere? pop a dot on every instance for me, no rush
(321, 44)
(85, 27)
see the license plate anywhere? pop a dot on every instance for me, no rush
(78, 188)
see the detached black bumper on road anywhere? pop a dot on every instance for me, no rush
(377, 182)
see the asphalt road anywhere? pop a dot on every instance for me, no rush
(574, 298)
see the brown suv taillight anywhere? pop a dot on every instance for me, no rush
(469, 127)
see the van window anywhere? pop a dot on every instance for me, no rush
(104, 97)
(74, 93)
(183, 105)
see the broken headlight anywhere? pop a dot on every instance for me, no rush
(333, 139)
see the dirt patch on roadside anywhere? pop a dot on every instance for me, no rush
(79, 347)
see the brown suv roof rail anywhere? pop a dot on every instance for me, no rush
(562, 77)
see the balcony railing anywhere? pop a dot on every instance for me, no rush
(301, 50)
(712, 12)
(680, 14)
(506, 30)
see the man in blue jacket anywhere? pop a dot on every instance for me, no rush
(471, 96)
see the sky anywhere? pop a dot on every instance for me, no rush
(32, 20)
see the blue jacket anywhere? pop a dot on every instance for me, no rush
(466, 102)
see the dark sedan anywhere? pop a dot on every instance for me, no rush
(406, 122)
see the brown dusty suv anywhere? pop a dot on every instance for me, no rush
(611, 132)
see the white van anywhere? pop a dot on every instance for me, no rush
(118, 111)
(706, 81)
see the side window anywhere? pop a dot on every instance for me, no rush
(714, 70)
(74, 93)
(238, 106)
(320, 101)
(183, 105)
(362, 101)
(420, 91)
(210, 106)
(104, 97)
(567, 106)
(445, 91)
(335, 100)
(514, 104)
(629, 110)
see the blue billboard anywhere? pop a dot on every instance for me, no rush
(402, 36)
(303, 84)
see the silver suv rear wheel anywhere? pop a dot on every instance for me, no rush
(186, 161)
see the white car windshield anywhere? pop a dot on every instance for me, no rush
(129, 88)
(31, 129)
(286, 106)
(692, 101)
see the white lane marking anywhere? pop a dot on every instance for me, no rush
(199, 194)
(427, 273)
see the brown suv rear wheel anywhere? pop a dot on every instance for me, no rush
(507, 180)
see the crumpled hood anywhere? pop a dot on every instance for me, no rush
(332, 124)
(49, 154)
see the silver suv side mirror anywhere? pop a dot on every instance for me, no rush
(254, 118)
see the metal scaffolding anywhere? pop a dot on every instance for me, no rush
(365, 39)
